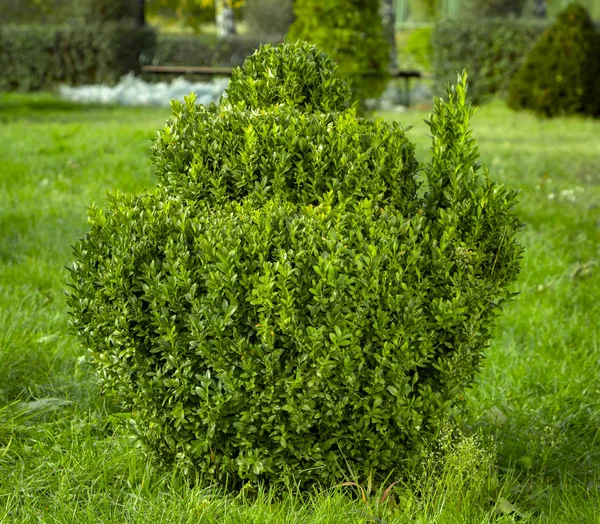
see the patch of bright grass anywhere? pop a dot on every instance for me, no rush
(530, 449)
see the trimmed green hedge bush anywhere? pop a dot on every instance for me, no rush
(490, 49)
(290, 300)
(40, 57)
(201, 50)
(561, 74)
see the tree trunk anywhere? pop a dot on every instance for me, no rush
(141, 19)
(539, 8)
(224, 19)
(388, 19)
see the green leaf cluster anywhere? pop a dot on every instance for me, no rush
(39, 57)
(351, 31)
(561, 74)
(491, 49)
(294, 297)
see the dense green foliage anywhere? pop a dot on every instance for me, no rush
(40, 57)
(351, 31)
(492, 8)
(418, 45)
(490, 49)
(64, 458)
(424, 10)
(285, 301)
(201, 50)
(561, 74)
(293, 75)
(67, 11)
(34, 11)
(193, 14)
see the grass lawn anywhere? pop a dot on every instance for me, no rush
(531, 451)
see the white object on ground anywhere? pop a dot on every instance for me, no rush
(132, 91)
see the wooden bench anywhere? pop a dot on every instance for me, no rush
(226, 71)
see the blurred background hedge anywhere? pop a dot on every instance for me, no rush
(490, 49)
(561, 74)
(201, 50)
(44, 43)
(40, 57)
(352, 33)
(268, 18)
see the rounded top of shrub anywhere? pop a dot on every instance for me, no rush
(282, 130)
(287, 300)
(561, 74)
(296, 75)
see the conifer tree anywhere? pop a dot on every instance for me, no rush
(561, 74)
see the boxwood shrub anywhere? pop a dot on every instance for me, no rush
(490, 49)
(291, 298)
(561, 74)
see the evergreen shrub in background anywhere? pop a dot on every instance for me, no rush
(39, 58)
(351, 31)
(201, 50)
(43, 44)
(290, 299)
(491, 49)
(561, 74)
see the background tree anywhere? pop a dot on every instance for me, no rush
(142, 12)
(351, 32)
(195, 13)
(561, 74)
